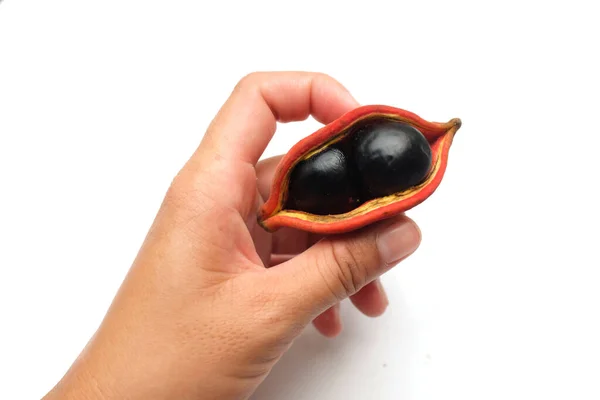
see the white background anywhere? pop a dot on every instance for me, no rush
(102, 102)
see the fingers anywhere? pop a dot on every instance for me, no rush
(338, 267)
(371, 300)
(247, 121)
(329, 322)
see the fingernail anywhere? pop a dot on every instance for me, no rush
(398, 241)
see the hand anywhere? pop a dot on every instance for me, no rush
(199, 315)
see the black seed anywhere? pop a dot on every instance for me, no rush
(390, 157)
(322, 184)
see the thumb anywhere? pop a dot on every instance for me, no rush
(339, 266)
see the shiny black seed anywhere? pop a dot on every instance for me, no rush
(390, 157)
(322, 184)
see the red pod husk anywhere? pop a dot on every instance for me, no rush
(273, 214)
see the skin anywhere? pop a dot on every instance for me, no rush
(212, 301)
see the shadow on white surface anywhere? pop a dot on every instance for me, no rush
(372, 358)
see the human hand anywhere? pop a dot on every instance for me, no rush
(200, 315)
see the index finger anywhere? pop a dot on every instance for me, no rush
(247, 121)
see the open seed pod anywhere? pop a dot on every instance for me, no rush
(372, 163)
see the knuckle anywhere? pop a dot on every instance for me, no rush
(330, 276)
(350, 271)
(248, 80)
(324, 76)
(321, 78)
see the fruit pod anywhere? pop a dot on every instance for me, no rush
(372, 163)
